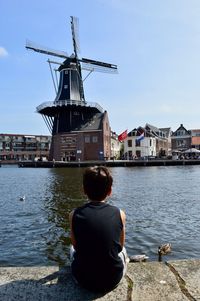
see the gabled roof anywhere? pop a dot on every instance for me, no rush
(167, 131)
(136, 131)
(155, 131)
(152, 127)
(182, 128)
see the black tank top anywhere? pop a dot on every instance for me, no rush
(97, 227)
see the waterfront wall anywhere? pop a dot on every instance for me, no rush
(114, 163)
(148, 281)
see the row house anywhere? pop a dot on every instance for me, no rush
(195, 139)
(139, 143)
(160, 142)
(115, 146)
(167, 132)
(24, 147)
(181, 139)
(148, 141)
(163, 141)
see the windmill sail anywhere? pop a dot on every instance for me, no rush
(75, 35)
(33, 46)
(102, 64)
(92, 65)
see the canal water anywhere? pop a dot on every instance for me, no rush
(162, 205)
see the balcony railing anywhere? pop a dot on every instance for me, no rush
(60, 103)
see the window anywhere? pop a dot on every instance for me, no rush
(138, 154)
(180, 143)
(137, 142)
(130, 154)
(129, 143)
(65, 86)
(87, 139)
(94, 139)
(181, 133)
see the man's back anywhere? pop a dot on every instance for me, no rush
(97, 228)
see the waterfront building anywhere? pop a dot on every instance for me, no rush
(168, 132)
(181, 139)
(17, 147)
(115, 146)
(195, 139)
(139, 143)
(148, 141)
(90, 140)
(163, 139)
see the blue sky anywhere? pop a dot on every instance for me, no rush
(156, 45)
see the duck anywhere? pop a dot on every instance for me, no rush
(138, 258)
(164, 250)
(22, 198)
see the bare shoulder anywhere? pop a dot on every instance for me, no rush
(71, 215)
(123, 216)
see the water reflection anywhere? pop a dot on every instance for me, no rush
(63, 195)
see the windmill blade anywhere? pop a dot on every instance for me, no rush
(102, 64)
(45, 50)
(98, 66)
(75, 35)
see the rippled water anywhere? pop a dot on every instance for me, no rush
(162, 204)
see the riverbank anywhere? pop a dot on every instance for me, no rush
(146, 281)
(109, 163)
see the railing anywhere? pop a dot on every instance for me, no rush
(68, 102)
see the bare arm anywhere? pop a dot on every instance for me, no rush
(122, 236)
(73, 241)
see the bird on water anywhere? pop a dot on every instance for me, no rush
(164, 250)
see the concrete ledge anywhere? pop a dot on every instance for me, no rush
(49, 284)
(151, 281)
(174, 281)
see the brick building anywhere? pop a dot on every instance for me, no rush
(16, 147)
(88, 141)
(195, 139)
(181, 139)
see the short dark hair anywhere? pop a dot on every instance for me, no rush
(97, 182)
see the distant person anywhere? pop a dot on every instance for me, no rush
(98, 235)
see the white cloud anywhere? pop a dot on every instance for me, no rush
(3, 52)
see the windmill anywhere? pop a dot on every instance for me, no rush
(70, 110)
